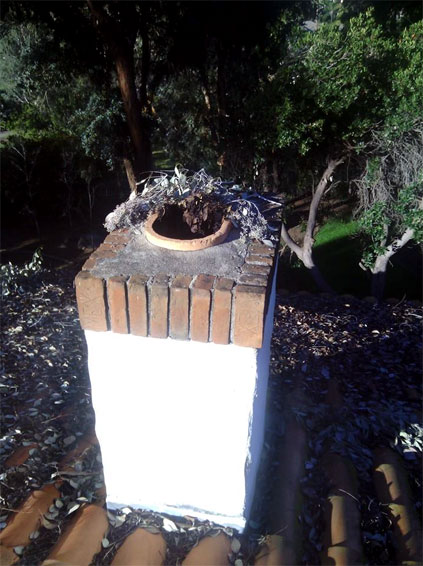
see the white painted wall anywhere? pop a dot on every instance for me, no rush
(174, 422)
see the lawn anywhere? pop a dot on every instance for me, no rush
(337, 252)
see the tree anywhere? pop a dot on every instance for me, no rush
(59, 124)
(305, 252)
(390, 189)
(390, 207)
(333, 87)
(209, 70)
(123, 28)
(119, 24)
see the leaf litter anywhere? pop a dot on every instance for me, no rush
(373, 352)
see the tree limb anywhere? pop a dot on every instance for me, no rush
(290, 242)
(304, 252)
(311, 222)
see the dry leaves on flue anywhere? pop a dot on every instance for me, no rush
(373, 352)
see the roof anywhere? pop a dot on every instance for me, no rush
(341, 468)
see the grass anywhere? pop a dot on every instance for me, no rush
(335, 229)
(337, 253)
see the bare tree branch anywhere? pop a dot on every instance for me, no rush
(305, 252)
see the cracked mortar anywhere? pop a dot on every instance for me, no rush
(139, 256)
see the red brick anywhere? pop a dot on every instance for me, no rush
(221, 313)
(103, 254)
(200, 307)
(256, 269)
(259, 259)
(253, 279)
(89, 264)
(91, 302)
(159, 302)
(104, 247)
(116, 295)
(121, 236)
(137, 305)
(112, 247)
(249, 304)
(114, 240)
(179, 307)
(261, 249)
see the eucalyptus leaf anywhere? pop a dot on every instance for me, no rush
(235, 545)
(169, 525)
(73, 508)
(153, 530)
(48, 524)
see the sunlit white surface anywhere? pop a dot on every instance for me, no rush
(174, 422)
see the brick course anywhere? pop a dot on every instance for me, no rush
(201, 308)
(221, 312)
(256, 269)
(158, 306)
(116, 295)
(91, 302)
(137, 305)
(253, 279)
(259, 259)
(179, 307)
(261, 249)
(249, 315)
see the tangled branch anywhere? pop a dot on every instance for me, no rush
(160, 189)
(394, 165)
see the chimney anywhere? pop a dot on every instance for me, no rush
(178, 356)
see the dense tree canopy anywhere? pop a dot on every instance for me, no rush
(267, 92)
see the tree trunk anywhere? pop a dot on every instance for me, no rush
(275, 174)
(320, 281)
(122, 56)
(130, 175)
(381, 264)
(205, 88)
(221, 83)
(378, 282)
(145, 64)
(305, 252)
(139, 135)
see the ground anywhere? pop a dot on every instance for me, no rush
(348, 371)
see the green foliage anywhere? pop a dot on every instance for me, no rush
(391, 192)
(338, 76)
(188, 140)
(408, 208)
(405, 100)
(373, 223)
(12, 276)
(333, 82)
(61, 126)
(43, 100)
